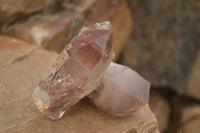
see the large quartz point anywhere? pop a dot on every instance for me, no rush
(122, 91)
(77, 72)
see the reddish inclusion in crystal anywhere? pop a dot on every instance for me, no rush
(89, 55)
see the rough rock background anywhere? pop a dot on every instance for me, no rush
(165, 38)
(164, 47)
(57, 23)
(159, 39)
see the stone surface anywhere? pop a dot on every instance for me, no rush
(161, 109)
(193, 88)
(190, 119)
(77, 71)
(122, 91)
(165, 42)
(117, 12)
(12, 9)
(22, 71)
(46, 30)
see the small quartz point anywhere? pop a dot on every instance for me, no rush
(77, 72)
(122, 91)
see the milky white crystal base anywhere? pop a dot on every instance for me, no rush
(122, 91)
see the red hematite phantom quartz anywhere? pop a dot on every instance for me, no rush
(122, 91)
(77, 72)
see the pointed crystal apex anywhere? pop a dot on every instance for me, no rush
(104, 25)
(98, 38)
(98, 26)
(122, 91)
(103, 41)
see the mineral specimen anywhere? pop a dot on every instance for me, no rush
(122, 91)
(77, 72)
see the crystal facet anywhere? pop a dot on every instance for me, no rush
(122, 91)
(77, 72)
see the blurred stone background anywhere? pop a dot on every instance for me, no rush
(159, 39)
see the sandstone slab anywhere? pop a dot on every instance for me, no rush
(46, 30)
(190, 119)
(12, 9)
(161, 109)
(20, 75)
(193, 88)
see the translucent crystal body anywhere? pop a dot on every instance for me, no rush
(77, 71)
(122, 90)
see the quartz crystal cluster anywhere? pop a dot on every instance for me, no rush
(84, 68)
(77, 71)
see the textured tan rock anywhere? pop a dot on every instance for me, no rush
(190, 120)
(21, 74)
(161, 109)
(117, 12)
(193, 88)
(46, 30)
(11, 9)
